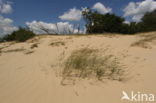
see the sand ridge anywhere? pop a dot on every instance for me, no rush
(33, 74)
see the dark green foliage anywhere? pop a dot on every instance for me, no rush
(101, 23)
(129, 28)
(132, 28)
(1, 39)
(148, 22)
(20, 35)
(9, 37)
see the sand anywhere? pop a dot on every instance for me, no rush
(34, 75)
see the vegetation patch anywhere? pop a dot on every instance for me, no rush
(34, 46)
(144, 41)
(58, 43)
(21, 35)
(87, 63)
(13, 50)
(29, 52)
(111, 23)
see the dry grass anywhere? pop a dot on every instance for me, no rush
(86, 63)
(29, 52)
(145, 39)
(14, 50)
(34, 46)
(58, 43)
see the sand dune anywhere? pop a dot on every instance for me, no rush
(30, 72)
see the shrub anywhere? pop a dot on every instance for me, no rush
(9, 37)
(20, 35)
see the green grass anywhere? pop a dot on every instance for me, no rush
(87, 63)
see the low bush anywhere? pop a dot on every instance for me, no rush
(20, 35)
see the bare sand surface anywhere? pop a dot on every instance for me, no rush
(32, 74)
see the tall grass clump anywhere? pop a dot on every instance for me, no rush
(87, 63)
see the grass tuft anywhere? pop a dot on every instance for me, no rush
(29, 52)
(14, 50)
(34, 46)
(145, 39)
(87, 63)
(58, 43)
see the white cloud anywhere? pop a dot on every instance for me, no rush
(59, 28)
(6, 26)
(5, 7)
(72, 15)
(138, 9)
(127, 22)
(99, 7)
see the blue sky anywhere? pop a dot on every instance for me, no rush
(47, 13)
(49, 10)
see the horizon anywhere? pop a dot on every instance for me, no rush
(14, 13)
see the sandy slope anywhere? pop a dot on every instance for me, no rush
(36, 77)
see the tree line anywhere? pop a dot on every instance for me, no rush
(103, 23)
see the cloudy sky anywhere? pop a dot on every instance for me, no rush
(47, 13)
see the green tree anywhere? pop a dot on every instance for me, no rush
(100, 23)
(148, 22)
